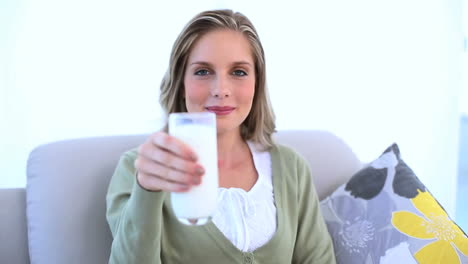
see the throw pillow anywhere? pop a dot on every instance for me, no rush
(385, 214)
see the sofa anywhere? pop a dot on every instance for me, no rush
(60, 216)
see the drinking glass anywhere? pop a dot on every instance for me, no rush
(198, 130)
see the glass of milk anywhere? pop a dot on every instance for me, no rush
(198, 130)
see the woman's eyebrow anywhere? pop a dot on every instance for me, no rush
(242, 63)
(204, 63)
(201, 63)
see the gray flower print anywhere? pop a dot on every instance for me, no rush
(362, 231)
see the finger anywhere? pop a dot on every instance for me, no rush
(168, 159)
(168, 173)
(151, 182)
(174, 145)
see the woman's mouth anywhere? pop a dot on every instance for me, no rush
(220, 110)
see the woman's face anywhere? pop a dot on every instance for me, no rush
(220, 78)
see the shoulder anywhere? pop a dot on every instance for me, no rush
(292, 170)
(288, 155)
(290, 162)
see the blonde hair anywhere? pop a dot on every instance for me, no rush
(260, 123)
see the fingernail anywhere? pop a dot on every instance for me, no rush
(194, 157)
(200, 171)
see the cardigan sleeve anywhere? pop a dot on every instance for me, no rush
(134, 216)
(313, 242)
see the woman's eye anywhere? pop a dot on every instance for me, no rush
(240, 73)
(202, 72)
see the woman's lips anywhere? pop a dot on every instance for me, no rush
(220, 110)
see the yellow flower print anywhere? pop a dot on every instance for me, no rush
(434, 225)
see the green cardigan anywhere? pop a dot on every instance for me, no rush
(146, 231)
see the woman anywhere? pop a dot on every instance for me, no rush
(268, 210)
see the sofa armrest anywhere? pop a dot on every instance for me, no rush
(13, 233)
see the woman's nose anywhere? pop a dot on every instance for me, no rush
(220, 88)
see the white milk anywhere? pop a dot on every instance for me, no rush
(200, 201)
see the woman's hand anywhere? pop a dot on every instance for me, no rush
(166, 163)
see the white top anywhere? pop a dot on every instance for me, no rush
(248, 219)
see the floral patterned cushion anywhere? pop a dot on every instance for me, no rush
(385, 214)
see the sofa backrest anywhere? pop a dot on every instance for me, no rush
(13, 232)
(67, 184)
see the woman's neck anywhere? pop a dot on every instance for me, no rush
(231, 150)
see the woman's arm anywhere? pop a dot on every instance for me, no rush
(313, 242)
(134, 216)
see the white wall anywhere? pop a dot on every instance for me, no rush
(464, 92)
(373, 72)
